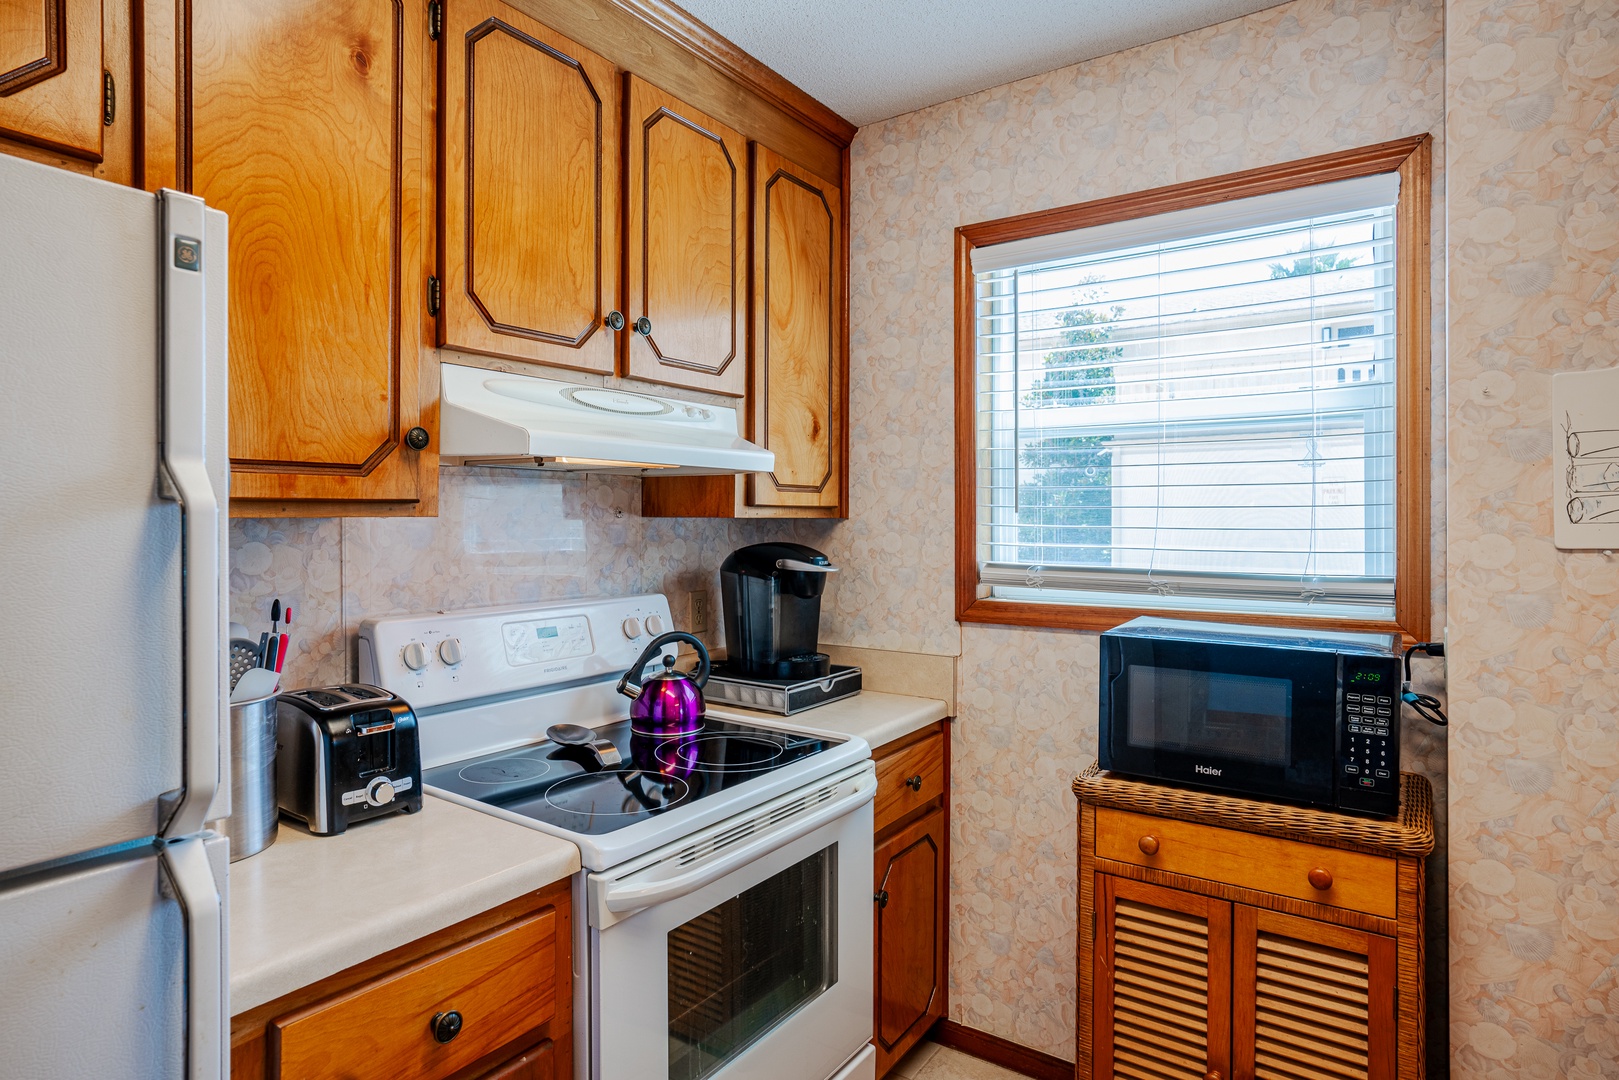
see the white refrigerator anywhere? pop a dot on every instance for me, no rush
(113, 737)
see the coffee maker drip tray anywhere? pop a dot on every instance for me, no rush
(784, 696)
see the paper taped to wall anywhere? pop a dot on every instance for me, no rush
(1585, 459)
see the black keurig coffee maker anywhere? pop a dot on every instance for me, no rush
(771, 604)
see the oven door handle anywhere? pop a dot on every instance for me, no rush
(622, 899)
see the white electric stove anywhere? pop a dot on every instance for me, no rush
(723, 918)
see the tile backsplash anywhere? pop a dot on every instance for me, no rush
(501, 537)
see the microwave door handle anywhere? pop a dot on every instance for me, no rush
(622, 899)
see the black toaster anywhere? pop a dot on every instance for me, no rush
(345, 754)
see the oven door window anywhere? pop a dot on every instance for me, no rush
(739, 969)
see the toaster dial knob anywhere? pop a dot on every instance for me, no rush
(654, 625)
(632, 627)
(379, 792)
(449, 651)
(415, 656)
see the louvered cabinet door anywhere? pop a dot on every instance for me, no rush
(687, 207)
(1310, 1001)
(1163, 983)
(529, 245)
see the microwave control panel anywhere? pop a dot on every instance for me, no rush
(1369, 741)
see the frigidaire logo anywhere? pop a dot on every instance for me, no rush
(1207, 770)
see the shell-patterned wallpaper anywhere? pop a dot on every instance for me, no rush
(501, 537)
(1305, 78)
(1533, 165)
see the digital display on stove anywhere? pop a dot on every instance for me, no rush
(553, 784)
(544, 641)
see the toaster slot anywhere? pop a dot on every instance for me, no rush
(374, 743)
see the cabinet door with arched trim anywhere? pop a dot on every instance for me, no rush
(687, 245)
(799, 396)
(910, 936)
(51, 75)
(529, 242)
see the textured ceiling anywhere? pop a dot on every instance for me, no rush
(872, 59)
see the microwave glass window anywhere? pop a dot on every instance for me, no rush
(739, 969)
(1238, 717)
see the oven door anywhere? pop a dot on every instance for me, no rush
(1257, 720)
(745, 951)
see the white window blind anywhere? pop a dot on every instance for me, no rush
(1194, 411)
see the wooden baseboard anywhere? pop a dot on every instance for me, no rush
(1002, 1052)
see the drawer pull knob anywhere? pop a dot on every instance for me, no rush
(446, 1026)
(1320, 879)
(1148, 845)
(915, 782)
(1212, 1074)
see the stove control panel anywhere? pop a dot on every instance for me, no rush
(449, 656)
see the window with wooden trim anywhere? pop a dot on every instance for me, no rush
(1207, 400)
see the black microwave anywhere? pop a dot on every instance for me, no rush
(1298, 715)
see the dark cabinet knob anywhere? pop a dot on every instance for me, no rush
(881, 898)
(643, 326)
(417, 438)
(614, 320)
(915, 782)
(1320, 878)
(1148, 845)
(446, 1026)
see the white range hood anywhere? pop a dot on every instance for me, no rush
(499, 419)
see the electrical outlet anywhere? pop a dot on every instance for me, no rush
(699, 611)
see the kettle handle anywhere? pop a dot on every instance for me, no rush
(653, 649)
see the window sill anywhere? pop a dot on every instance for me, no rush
(1084, 617)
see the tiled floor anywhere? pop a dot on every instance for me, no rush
(930, 1061)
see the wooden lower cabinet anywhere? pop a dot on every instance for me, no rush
(911, 883)
(488, 998)
(1199, 960)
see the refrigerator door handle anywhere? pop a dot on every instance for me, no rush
(186, 862)
(184, 438)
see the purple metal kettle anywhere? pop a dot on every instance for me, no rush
(669, 702)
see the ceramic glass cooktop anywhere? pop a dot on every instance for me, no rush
(560, 785)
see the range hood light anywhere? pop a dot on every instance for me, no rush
(599, 463)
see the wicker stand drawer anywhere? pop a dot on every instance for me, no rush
(501, 985)
(1322, 875)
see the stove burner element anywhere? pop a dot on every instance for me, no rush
(511, 770)
(736, 754)
(616, 793)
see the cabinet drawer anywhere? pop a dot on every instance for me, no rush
(909, 778)
(1322, 875)
(502, 985)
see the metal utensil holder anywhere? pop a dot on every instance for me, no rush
(253, 822)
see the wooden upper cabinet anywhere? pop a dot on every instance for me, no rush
(51, 75)
(306, 127)
(798, 336)
(529, 242)
(686, 245)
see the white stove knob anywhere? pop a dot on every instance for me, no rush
(379, 792)
(632, 627)
(415, 656)
(449, 651)
(654, 625)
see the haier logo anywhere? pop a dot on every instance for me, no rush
(1207, 770)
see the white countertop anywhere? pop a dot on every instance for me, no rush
(877, 718)
(309, 906)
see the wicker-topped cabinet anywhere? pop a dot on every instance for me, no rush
(1228, 938)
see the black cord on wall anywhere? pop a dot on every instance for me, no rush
(1423, 705)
